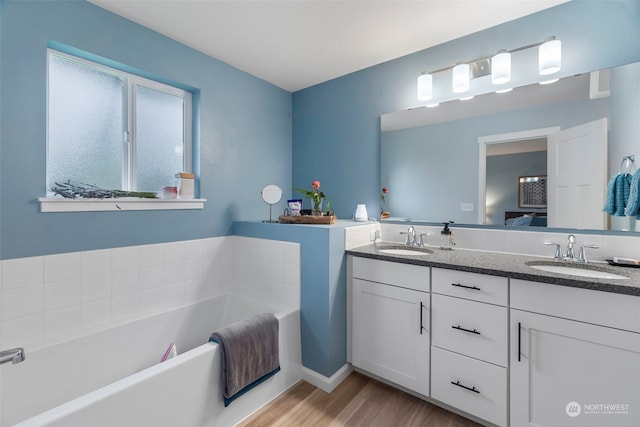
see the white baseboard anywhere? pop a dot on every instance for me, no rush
(323, 383)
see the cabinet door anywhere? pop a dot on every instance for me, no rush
(569, 373)
(390, 333)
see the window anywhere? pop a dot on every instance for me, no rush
(113, 129)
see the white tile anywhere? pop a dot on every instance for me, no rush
(277, 251)
(292, 253)
(61, 294)
(151, 277)
(22, 272)
(126, 306)
(95, 263)
(124, 282)
(277, 271)
(214, 246)
(22, 302)
(174, 252)
(126, 258)
(23, 332)
(95, 288)
(95, 313)
(61, 322)
(292, 275)
(174, 273)
(150, 255)
(60, 267)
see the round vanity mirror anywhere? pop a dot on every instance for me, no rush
(271, 194)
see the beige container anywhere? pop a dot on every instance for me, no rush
(185, 183)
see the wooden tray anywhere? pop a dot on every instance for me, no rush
(307, 219)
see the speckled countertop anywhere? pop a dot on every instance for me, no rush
(508, 265)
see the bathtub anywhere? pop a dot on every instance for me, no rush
(113, 377)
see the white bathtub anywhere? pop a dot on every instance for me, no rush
(113, 378)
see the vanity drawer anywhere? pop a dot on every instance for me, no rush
(451, 371)
(478, 287)
(472, 328)
(392, 273)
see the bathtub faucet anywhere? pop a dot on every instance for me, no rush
(15, 355)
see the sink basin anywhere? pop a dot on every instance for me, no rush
(581, 270)
(405, 251)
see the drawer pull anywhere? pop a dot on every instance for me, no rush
(519, 340)
(459, 285)
(473, 389)
(460, 328)
(421, 308)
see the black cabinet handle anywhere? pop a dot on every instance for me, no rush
(473, 389)
(421, 308)
(519, 339)
(474, 287)
(460, 328)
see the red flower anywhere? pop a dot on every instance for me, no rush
(385, 190)
(316, 185)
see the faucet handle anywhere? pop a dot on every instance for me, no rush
(410, 239)
(422, 236)
(582, 255)
(558, 254)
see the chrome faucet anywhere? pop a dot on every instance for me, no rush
(411, 236)
(570, 255)
(15, 355)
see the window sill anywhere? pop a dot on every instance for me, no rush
(56, 204)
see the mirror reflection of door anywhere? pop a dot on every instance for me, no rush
(576, 190)
(577, 177)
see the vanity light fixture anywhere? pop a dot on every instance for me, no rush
(498, 66)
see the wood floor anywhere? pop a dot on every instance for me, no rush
(357, 401)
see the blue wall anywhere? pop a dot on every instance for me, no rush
(323, 291)
(245, 132)
(336, 133)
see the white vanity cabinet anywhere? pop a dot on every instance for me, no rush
(575, 358)
(469, 356)
(390, 321)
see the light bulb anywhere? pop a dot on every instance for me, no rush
(460, 81)
(425, 87)
(550, 57)
(501, 68)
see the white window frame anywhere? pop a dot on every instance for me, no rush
(129, 172)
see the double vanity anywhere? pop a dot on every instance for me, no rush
(505, 339)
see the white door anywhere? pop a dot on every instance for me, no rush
(577, 176)
(569, 373)
(391, 333)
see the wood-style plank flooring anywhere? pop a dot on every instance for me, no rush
(357, 401)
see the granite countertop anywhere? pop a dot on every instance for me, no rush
(508, 265)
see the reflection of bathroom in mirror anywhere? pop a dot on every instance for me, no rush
(461, 161)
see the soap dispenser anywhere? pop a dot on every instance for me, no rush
(446, 237)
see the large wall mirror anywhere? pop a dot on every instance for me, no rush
(539, 156)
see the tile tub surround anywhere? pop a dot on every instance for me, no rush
(506, 265)
(50, 298)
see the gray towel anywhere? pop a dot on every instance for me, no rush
(249, 353)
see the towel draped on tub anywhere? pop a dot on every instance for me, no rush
(249, 353)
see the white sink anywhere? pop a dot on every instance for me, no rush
(405, 251)
(575, 270)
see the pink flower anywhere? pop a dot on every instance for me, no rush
(315, 185)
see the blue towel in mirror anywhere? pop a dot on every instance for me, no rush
(618, 191)
(633, 203)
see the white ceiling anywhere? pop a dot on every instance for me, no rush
(295, 44)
